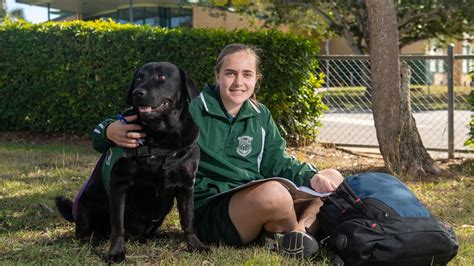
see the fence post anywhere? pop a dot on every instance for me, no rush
(130, 11)
(451, 101)
(328, 72)
(49, 11)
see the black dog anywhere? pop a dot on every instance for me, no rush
(145, 180)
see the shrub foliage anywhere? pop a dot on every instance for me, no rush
(470, 141)
(68, 76)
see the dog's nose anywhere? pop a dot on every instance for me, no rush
(139, 93)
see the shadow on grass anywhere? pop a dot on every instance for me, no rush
(466, 167)
(29, 205)
(51, 238)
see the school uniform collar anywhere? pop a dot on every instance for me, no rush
(213, 105)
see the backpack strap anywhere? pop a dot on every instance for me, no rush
(344, 198)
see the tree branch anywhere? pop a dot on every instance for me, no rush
(409, 17)
(324, 15)
(355, 44)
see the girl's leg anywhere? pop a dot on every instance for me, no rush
(268, 205)
(306, 212)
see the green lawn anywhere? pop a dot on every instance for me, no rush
(31, 174)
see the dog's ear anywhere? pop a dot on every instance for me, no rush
(188, 86)
(131, 88)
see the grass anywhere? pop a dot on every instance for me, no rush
(32, 173)
(423, 98)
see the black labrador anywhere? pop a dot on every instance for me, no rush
(145, 180)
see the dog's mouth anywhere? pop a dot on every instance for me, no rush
(148, 109)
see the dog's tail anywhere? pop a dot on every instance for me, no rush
(64, 206)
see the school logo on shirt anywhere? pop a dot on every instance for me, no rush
(245, 145)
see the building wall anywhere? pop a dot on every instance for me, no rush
(461, 76)
(339, 46)
(415, 48)
(204, 17)
(76, 16)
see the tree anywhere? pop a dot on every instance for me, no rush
(385, 77)
(399, 140)
(416, 19)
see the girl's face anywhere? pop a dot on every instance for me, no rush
(237, 78)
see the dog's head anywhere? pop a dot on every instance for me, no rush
(159, 92)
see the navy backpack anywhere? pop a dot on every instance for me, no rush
(375, 219)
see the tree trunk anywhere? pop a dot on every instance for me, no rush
(414, 159)
(385, 78)
(398, 137)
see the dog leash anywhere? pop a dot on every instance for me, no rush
(121, 119)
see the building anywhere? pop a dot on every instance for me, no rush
(432, 71)
(185, 13)
(164, 13)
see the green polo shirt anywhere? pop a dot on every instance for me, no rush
(236, 151)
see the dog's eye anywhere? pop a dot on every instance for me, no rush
(138, 79)
(161, 77)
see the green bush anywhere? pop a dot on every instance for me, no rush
(470, 141)
(68, 76)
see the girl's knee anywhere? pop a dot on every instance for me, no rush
(269, 201)
(272, 196)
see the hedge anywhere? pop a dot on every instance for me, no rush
(68, 76)
(470, 141)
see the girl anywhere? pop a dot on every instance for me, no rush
(240, 142)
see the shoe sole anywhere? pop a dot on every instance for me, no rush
(299, 245)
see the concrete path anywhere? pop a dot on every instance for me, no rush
(358, 128)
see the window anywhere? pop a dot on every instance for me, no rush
(441, 65)
(154, 16)
(176, 17)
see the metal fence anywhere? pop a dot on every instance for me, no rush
(440, 86)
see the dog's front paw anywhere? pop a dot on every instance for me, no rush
(116, 257)
(194, 244)
(117, 250)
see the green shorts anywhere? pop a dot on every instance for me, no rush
(213, 223)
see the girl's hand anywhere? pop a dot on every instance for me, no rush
(326, 180)
(120, 134)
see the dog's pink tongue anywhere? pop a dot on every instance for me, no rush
(144, 109)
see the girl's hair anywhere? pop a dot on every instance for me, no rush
(235, 48)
